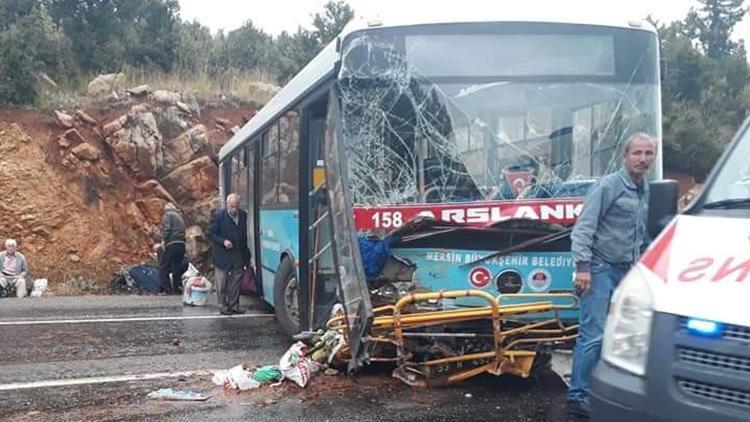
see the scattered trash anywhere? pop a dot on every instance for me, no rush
(468, 395)
(237, 378)
(175, 341)
(40, 285)
(331, 372)
(294, 365)
(141, 278)
(170, 394)
(269, 373)
(190, 273)
(326, 344)
(195, 291)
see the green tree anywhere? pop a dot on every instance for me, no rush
(713, 23)
(293, 52)
(336, 14)
(249, 48)
(705, 89)
(31, 43)
(195, 47)
(107, 34)
(13, 10)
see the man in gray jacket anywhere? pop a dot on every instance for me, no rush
(608, 237)
(172, 260)
(13, 268)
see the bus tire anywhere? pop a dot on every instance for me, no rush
(286, 298)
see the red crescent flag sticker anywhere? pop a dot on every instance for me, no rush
(480, 277)
(518, 180)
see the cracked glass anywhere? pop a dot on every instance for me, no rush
(475, 112)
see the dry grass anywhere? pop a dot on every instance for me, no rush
(243, 86)
(246, 87)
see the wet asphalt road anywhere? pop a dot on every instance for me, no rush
(35, 357)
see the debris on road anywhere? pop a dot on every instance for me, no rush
(171, 394)
(195, 291)
(141, 278)
(237, 378)
(326, 345)
(296, 366)
(268, 373)
(40, 285)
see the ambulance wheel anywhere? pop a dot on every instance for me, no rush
(286, 297)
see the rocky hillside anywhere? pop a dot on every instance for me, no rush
(83, 189)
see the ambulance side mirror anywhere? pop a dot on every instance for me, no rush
(662, 205)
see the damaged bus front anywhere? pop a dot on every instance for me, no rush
(444, 164)
(469, 148)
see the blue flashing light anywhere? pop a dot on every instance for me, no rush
(704, 328)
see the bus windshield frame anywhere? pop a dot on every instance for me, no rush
(425, 127)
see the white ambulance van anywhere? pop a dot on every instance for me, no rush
(676, 346)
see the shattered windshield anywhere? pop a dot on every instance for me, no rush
(491, 112)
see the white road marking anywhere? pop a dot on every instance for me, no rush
(102, 380)
(136, 319)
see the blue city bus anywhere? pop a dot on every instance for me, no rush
(449, 154)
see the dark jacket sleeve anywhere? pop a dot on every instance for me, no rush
(167, 227)
(214, 232)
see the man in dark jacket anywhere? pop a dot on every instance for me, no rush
(228, 236)
(172, 260)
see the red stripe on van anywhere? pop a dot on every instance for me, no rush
(656, 257)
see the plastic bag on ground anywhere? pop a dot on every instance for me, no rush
(190, 273)
(237, 378)
(170, 394)
(294, 365)
(40, 285)
(269, 373)
(195, 291)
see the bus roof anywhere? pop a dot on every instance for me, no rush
(322, 66)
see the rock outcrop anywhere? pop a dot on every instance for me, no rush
(104, 85)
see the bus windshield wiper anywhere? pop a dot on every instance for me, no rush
(729, 203)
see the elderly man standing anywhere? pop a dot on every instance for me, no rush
(228, 236)
(172, 260)
(608, 237)
(13, 268)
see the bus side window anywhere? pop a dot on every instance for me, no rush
(270, 167)
(240, 176)
(289, 158)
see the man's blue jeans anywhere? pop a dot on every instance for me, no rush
(593, 314)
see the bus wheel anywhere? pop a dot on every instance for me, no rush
(286, 297)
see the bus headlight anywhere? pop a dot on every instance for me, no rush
(628, 328)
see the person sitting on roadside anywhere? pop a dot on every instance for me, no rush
(13, 268)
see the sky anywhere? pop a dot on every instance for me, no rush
(274, 16)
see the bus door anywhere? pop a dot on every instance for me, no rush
(251, 205)
(319, 285)
(242, 181)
